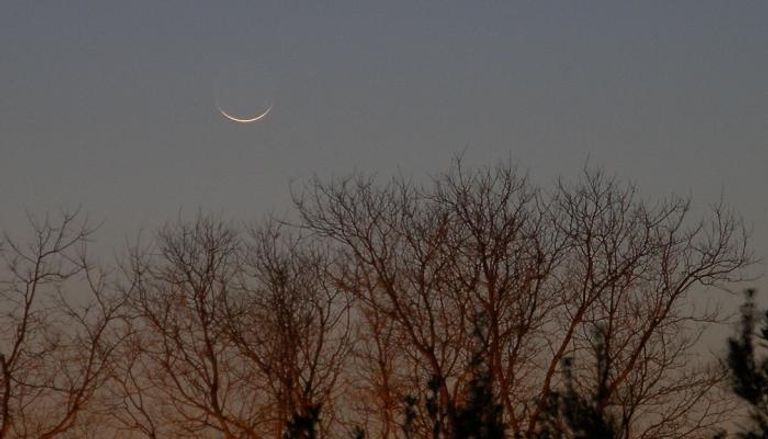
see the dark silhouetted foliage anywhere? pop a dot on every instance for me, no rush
(358, 433)
(433, 405)
(571, 414)
(410, 415)
(749, 376)
(303, 425)
(481, 416)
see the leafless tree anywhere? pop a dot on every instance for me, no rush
(229, 334)
(292, 322)
(629, 279)
(56, 328)
(181, 373)
(378, 375)
(547, 269)
(375, 291)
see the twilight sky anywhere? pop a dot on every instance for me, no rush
(112, 105)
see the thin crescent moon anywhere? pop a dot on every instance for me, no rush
(249, 120)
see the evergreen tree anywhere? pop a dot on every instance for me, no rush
(572, 415)
(433, 405)
(410, 415)
(481, 415)
(749, 376)
(303, 423)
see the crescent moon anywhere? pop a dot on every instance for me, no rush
(259, 116)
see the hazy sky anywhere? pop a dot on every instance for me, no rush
(112, 105)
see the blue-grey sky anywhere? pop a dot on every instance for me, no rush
(112, 105)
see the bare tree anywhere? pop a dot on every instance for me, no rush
(229, 334)
(399, 244)
(378, 375)
(182, 375)
(291, 321)
(628, 278)
(56, 340)
(367, 310)
(547, 268)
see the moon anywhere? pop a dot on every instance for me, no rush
(259, 116)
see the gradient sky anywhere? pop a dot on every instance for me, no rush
(112, 105)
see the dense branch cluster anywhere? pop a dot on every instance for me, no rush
(381, 310)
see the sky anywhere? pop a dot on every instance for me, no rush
(112, 106)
